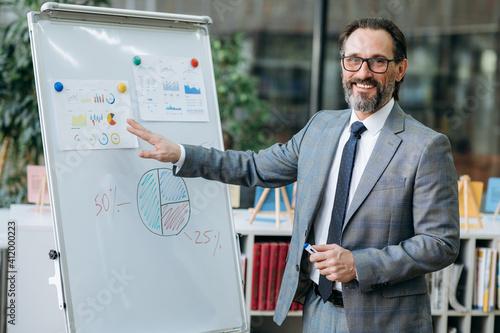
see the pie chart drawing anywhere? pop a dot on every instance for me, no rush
(163, 202)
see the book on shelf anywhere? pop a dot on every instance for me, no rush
(282, 253)
(477, 304)
(255, 276)
(436, 287)
(263, 275)
(271, 281)
(493, 280)
(269, 261)
(497, 270)
(443, 286)
(486, 279)
(455, 273)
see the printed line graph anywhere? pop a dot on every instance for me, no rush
(168, 71)
(173, 108)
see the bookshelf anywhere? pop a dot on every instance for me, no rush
(260, 231)
(443, 319)
(471, 320)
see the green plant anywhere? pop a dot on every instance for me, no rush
(19, 122)
(244, 115)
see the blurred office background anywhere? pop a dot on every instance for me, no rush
(452, 83)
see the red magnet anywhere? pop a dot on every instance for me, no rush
(194, 62)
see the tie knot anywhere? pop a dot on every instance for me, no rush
(357, 129)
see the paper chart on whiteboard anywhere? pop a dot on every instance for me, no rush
(170, 89)
(91, 114)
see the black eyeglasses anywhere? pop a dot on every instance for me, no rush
(376, 65)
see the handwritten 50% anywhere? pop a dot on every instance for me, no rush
(106, 202)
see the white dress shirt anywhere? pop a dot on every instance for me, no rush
(180, 162)
(373, 124)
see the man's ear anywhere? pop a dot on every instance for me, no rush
(402, 66)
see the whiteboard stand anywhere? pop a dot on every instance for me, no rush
(131, 238)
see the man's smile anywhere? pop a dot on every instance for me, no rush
(364, 86)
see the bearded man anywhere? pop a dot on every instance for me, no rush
(376, 195)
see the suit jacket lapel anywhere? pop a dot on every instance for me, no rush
(326, 146)
(385, 148)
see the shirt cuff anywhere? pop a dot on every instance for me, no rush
(181, 160)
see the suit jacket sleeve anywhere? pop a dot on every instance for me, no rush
(273, 167)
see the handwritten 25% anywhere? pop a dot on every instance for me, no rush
(206, 238)
(106, 202)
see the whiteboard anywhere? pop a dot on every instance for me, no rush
(139, 249)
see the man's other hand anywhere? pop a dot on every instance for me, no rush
(335, 262)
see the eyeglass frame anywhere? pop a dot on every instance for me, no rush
(368, 63)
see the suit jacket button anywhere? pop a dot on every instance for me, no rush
(297, 268)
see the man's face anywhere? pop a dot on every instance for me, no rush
(365, 90)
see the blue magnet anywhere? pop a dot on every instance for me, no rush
(137, 60)
(58, 86)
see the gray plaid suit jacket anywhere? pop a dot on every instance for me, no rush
(403, 221)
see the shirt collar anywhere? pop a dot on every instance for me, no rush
(375, 121)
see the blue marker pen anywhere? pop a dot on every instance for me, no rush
(308, 247)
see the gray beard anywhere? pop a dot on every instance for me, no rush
(368, 105)
(361, 103)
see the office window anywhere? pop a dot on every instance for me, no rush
(452, 83)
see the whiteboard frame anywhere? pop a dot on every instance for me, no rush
(75, 13)
(54, 7)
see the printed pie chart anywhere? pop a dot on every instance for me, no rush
(163, 202)
(110, 119)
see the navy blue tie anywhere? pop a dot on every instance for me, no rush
(341, 197)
